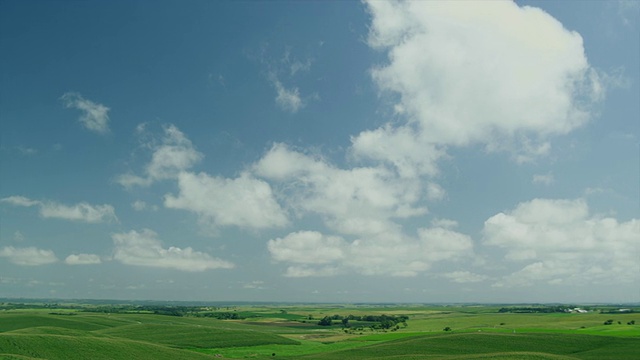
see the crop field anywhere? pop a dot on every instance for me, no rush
(318, 332)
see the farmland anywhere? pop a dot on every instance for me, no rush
(304, 331)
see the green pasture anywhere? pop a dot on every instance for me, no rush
(494, 345)
(476, 332)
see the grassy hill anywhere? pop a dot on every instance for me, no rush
(21, 346)
(495, 346)
(190, 336)
(293, 333)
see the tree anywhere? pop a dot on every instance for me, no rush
(325, 321)
(446, 329)
(345, 322)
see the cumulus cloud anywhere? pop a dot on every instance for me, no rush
(28, 256)
(308, 247)
(94, 116)
(358, 201)
(315, 254)
(82, 259)
(559, 241)
(496, 74)
(174, 154)
(244, 201)
(144, 249)
(78, 212)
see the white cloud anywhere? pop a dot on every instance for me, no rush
(244, 201)
(78, 212)
(144, 249)
(629, 12)
(304, 271)
(559, 241)
(546, 179)
(27, 150)
(256, 284)
(363, 203)
(140, 205)
(82, 259)
(95, 116)
(496, 74)
(403, 147)
(174, 154)
(435, 192)
(299, 66)
(28, 256)
(20, 201)
(288, 99)
(18, 236)
(463, 277)
(308, 247)
(316, 254)
(358, 201)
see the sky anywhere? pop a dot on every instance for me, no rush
(320, 151)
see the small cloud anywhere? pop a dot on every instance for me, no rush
(463, 277)
(27, 150)
(18, 236)
(20, 201)
(28, 256)
(174, 155)
(258, 285)
(82, 259)
(444, 223)
(140, 205)
(596, 190)
(629, 11)
(435, 192)
(78, 212)
(298, 66)
(94, 116)
(288, 99)
(546, 179)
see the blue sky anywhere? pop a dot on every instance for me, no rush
(320, 151)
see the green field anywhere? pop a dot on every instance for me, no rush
(292, 331)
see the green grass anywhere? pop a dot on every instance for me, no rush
(22, 320)
(478, 333)
(190, 336)
(473, 345)
(80, 348)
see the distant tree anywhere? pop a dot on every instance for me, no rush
(325, 321)
(446, 329)
(345, 322)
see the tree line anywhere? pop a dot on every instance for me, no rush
(381, 321)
